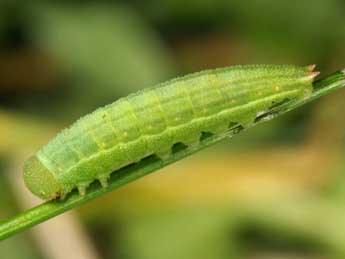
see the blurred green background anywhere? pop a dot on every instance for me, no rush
(275, 191)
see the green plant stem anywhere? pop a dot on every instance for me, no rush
(50, 209)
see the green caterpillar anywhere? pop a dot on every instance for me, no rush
(153, 120)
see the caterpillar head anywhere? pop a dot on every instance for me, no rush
(40, 180)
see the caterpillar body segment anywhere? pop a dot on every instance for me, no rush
(153, 120)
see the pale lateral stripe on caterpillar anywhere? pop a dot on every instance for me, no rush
(153, 120)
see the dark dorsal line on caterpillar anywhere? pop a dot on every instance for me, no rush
(153, 120)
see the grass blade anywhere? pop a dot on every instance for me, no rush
(128, 174)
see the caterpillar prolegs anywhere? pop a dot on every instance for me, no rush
(153, 120)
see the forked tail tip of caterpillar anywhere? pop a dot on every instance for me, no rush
(311, 73)
(314, 74)
(311, 67)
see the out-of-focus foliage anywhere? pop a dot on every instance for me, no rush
(20, 246)
(187, 234)
(21, 132)
(277, 30)
(65, 59)
(107, 49)
(103, 51)
(5, 200)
